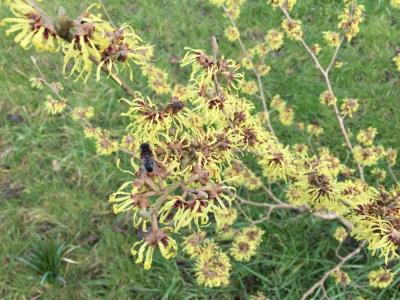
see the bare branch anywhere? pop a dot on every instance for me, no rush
(320, 283)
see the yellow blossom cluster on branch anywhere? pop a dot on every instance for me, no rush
(186, 152)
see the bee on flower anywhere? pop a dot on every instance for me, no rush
(33, 27)
(54, 106)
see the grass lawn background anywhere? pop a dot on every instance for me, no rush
(53, 186)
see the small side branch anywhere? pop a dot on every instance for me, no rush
(320, 283)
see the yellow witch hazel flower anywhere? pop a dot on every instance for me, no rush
(192, 244)
(239, 175)
(254, 234)
(286, 4)
(95, 40)
(36, 82)
(144, 250)
(391, 156)
(349, 107)
(376, 222)
(212, 267)
(277, 103)
(315, 129)
(293, 29)
(340, 234)
(396, 60)
(92, 132)
(316, 49)
(33, 27)
(380, 278)
(157, 79)
(341, 277)
(332, 38)
(367, 136)
(248, 87)
(232, 33)
(351, 18)
(105, 145)
(327, 98)
(225, 217)
(54, 106)
(277, 164)
(82, 113)
(217, 3)
(128, 143)
(395, 3)
(274, 39)
(379, 174)
(242, 249)
(286, 116)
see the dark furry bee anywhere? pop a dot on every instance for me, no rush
(147, 157)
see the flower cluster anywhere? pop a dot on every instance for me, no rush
(187, 148)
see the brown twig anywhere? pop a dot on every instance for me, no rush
(325, 74)
(256, 73)
(321, 282)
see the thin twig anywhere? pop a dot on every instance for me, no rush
(325, 74)
(256, 73)
(392, 174)
(320, 283)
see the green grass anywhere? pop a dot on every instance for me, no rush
(69, 203)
